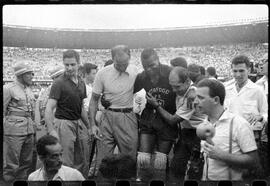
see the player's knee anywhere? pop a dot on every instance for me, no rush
(160, 161)
(143, 160)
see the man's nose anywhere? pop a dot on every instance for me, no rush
(148, 69)
(237, 74)
(196, 100)
(60, 158)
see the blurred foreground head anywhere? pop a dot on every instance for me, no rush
(118, 166)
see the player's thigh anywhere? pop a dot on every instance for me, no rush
(147, 142)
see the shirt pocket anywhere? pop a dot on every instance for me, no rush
(20, 101)
(15, 125)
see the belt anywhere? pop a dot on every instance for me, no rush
(21, 114)
(125, 110)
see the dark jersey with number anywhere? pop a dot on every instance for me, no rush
(162, 91)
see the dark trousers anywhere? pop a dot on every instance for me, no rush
(187, 148)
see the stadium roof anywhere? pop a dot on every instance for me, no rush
(121, 17)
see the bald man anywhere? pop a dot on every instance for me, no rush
(118, 123)
(187, 148)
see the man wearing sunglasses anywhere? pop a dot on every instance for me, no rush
(18, 123)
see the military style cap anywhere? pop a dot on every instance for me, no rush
(264, 59)
(22, 68)
(56, 71)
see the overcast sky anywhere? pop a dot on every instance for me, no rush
(127, 16)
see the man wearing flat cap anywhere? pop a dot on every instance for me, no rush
(18, 123)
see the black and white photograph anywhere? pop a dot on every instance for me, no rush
(137, 92)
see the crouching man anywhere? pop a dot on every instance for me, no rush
(50, 153)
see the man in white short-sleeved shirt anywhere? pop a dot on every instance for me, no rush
(118, 123)
(220, 164)
(50, 153)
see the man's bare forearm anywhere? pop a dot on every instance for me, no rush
(93, 106)
(240, 160)
(49, 119)
(169, 118)
(84, 118)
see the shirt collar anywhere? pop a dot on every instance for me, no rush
(59, 175)
(128, 70)
(225, 116)
(68, 78)
(189, 88)
(20, 84)
(249, 84)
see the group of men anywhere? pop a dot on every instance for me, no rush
(178, 99)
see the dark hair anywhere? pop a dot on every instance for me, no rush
(181, 73)
(118, 48)
(87, 67)
(194, 68)
(80, 69)
(216, 88)
(179, 61)
(240, 59)
(119, 166)
(43, 142)
(199, 78)
(194, 72)
(202, 70)
(147, 53)
(72, 54)
(211, 71)
(109, 62)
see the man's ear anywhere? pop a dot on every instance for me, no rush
(217, 99)
(249, 70)
(42, 157)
